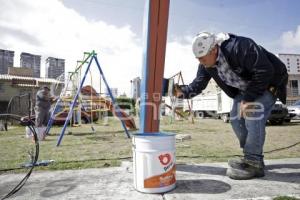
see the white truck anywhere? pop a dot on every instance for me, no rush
(224, 106)
(217, 105)
(170, 103)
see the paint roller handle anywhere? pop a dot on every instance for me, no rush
(177, 92)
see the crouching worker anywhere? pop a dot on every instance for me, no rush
(254, 78)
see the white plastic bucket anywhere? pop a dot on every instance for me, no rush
(40, 131)
(154, 167)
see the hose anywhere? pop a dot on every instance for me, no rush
(30, 124)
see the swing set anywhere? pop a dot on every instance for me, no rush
(76, 99)
(177, 79)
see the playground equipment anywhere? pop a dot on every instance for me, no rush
(93, 106)
(76, 100)
(177, 79)
(65, 99)
(102, 104)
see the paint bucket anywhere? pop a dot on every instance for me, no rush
(154, 167)
(40, 132)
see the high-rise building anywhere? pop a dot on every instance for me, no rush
(292, 63)
(31, 61)
(6, 60)
(114, 92)
(136, 87)
(55, 67)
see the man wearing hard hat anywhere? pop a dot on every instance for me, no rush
(250, 75)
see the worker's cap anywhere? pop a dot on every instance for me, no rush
(203, 43)
(46, 88)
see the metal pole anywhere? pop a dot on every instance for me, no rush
(115, 105)
(74, 102)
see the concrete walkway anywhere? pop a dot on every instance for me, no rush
(205, 181)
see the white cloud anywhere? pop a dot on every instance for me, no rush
(179, 57)
(290, 40)
(48, 28)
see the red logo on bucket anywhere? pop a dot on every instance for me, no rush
(164, 158)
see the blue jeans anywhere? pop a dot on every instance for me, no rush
(251, 130)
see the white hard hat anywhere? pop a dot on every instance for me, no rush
(203, 43)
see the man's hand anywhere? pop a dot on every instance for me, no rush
(177, 92)
(245, 108)
(53, 99)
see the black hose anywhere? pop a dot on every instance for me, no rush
(30, 124)
(9, 107)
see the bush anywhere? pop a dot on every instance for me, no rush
(125, 104)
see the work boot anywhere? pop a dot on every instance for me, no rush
(245, 170)
(237, 162)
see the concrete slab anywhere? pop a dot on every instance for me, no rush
(109, 184)
(194, 181)
(208, 181)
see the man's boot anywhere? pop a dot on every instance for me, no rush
(243, 169)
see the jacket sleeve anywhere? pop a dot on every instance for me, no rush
(198, 84)
(41, 97)
(253, 59)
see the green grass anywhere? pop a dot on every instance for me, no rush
(212, 140)
(285, 198)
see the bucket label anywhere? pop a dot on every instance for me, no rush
(162, 180)
(167, 175)
(165, 159)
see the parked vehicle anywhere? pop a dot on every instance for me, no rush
(224, 106)
(219, 105)
(203, 105)
(216, 105)
(294, 111)
(278, 114)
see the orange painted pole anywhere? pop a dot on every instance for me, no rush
(155, 33)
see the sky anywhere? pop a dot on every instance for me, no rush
(113, 28)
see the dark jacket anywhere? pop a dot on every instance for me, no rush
(43, 100)
(252, 63)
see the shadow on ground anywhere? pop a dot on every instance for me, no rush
(289, 173)
(283, 173)
(58, 187)
(203, 186)
(54, 188)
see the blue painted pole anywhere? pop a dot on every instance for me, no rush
(144, 81)
(52, 117)
(116, 106)
(74, 102)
